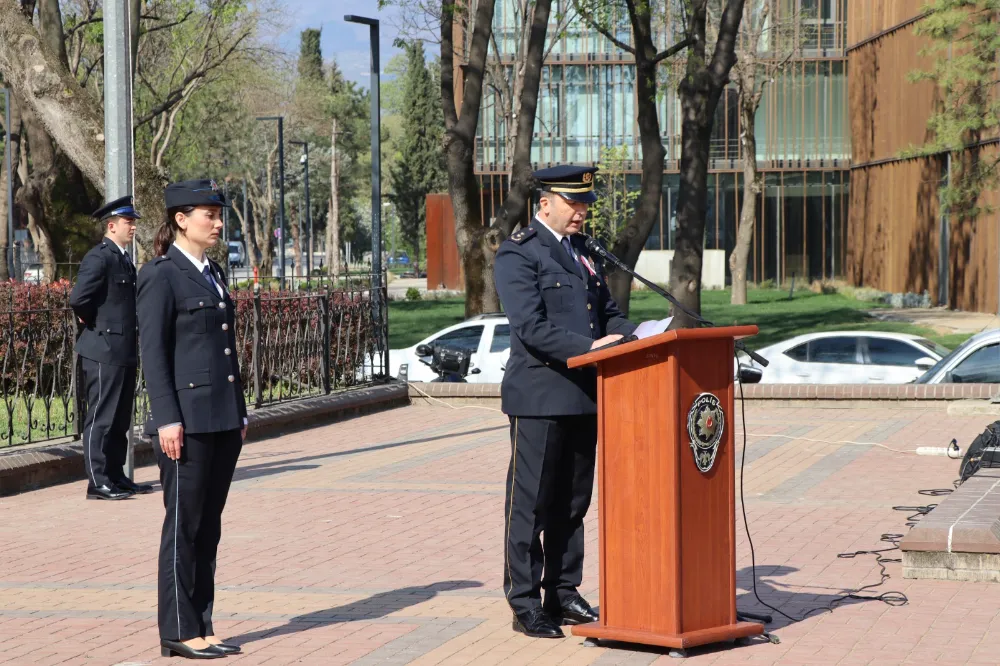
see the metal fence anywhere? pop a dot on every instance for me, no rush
(290, 344)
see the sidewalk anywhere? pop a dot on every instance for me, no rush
(378, 541)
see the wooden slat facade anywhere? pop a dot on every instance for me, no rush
(895, 228)
(867, 18)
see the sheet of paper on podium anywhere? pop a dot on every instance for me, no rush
(650, 328)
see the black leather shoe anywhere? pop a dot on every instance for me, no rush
(178, 649)
(575, 610)
(131, 486)
(537, 624)
(227, 649)
(111, 492)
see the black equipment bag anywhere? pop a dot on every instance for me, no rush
(983, 452)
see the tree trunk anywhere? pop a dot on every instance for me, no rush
(700, 90)
(333, 214)
(69, 115)
(629, 244)
(476, 245)
(514, 210)
(751, 188)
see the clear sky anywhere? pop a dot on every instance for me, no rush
(348, 43)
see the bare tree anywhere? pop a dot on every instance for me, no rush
(71, 117)
(700, 90)
(767, 42)
(476, 243)
(604, 17)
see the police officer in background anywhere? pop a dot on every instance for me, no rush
(187, 331)
(557, 301)
(103, 300)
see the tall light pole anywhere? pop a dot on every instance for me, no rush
(376, 164)
(304, 240)
(118, 159)
(10, 186)
(281, 190)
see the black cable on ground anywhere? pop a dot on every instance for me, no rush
(892, 598)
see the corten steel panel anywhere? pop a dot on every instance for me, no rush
(887, 112)
(444, 267)
(867, 18)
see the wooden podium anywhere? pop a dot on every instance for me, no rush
(667, 528)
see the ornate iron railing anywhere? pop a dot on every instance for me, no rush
(291, 345)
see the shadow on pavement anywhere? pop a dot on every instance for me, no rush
(247, 472)
(374, 607)
(801, 605)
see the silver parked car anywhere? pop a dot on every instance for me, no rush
(975, 361)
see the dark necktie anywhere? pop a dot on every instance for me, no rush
(569, 250)
(207, 272)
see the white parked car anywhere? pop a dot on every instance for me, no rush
(849, 357)
(975, 361)
(485, 337)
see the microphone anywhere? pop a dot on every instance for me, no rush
(594, 247)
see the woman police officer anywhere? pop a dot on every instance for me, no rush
(197, 409)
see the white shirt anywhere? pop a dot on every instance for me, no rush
(200, 264)
(555, 233)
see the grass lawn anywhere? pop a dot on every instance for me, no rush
(777, 317)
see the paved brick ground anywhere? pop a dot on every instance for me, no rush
(377, 541)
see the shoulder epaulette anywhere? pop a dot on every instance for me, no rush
(522, 235)
(161, 259)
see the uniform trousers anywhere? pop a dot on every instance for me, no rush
(110, 393)
(550, 481)
(194, 494)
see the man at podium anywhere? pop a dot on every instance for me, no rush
(557, 301)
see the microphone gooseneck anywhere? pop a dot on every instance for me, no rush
(595, 247)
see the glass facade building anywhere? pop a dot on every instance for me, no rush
(587, 102)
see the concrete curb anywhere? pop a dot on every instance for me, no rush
(963, 398)
(24, 468)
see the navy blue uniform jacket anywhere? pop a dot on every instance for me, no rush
(555, 312)
(187, 335)
(104, 298)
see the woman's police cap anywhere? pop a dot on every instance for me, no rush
(121, 207)
(575, 183)
(194, 193)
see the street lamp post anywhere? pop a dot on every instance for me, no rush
(376, 143)
(304, 240)
(281, 196)
(10, 186)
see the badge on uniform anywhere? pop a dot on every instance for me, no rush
(522, 234)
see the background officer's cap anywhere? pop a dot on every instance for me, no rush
(122, 207)
(194, 193)
(575, 183)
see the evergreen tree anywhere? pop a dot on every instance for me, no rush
(419, 169)
(965, 39)
(311, 56)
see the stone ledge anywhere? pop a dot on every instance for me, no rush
(24, 468)
(960, 538)
(948, 392)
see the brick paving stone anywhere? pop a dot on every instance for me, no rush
(378, 541)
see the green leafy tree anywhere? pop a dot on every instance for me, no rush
(419, 168)
(615, 201)
(965, 39)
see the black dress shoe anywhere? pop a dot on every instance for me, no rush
(131, 486)
(575, 610)
(111, 492)
(227, 649)
(537, 624)
(178, 649)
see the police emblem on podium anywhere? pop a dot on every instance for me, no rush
(706, 423)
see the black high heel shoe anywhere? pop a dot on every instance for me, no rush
(227, 649)
(178, 649)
